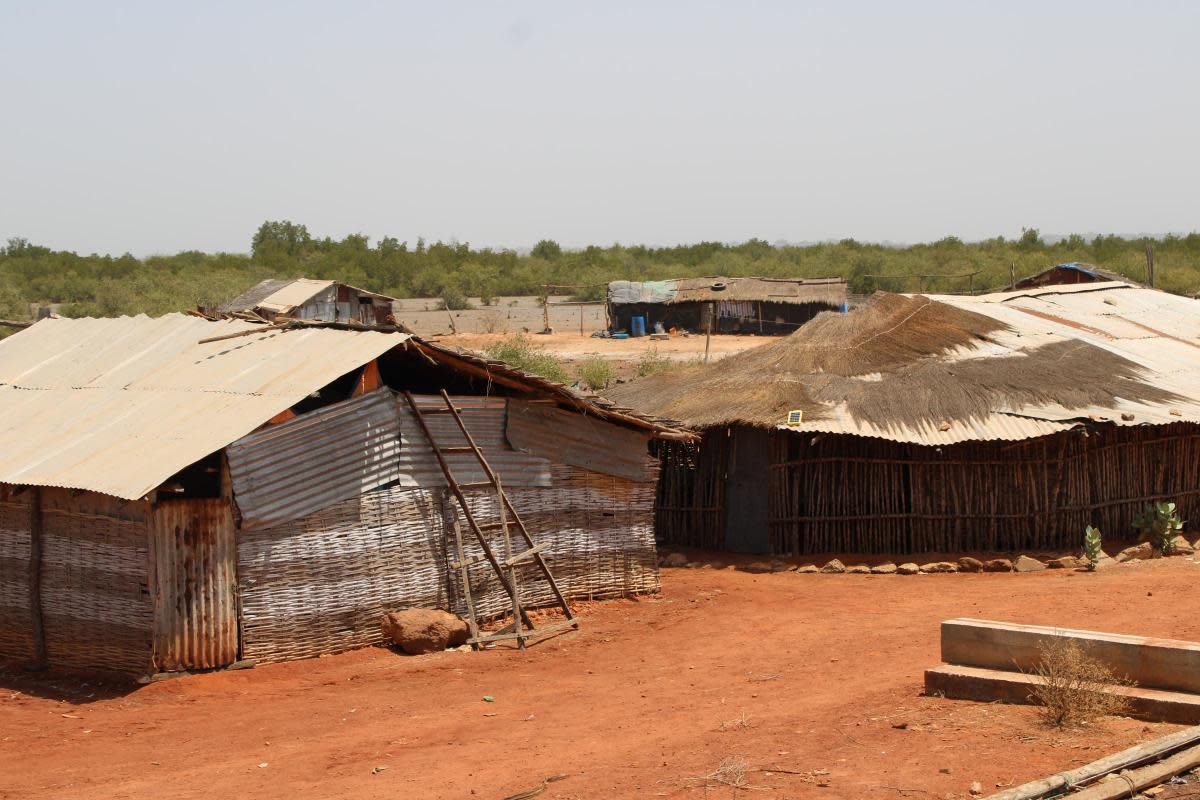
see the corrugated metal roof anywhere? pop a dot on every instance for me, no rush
(119, 405)
(294, 294)
(290, 470)
(250, 298)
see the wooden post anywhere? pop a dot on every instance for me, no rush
(1149, 265)
(581, 319)
(546, 311)
(760, 325)
(712, 312)
(1012, 275)
(40, 659)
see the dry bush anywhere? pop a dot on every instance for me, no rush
(493, 321)
(730, 772)
(1070, 685)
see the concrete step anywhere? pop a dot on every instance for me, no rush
(993, 685)
(1167, 664)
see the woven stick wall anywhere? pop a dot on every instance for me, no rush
(844, 494)
(322, 584)
(599, 532)
(96, 605)
(690, 505)
(16, 632)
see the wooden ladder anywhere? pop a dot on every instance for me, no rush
(507, 522)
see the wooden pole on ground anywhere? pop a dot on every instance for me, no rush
(1088, 773)
(712, 311)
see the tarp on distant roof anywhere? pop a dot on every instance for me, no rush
(830, 291)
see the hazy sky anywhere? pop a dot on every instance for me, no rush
(163, 126)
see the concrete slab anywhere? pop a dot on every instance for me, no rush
(991, 686)
(1166, 664)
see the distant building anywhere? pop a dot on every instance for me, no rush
(1069, 274)
(303, 298)
(739, 305)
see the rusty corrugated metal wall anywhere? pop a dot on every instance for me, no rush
(567, 437)
(194, 579)
(290, 470)
(485, 418)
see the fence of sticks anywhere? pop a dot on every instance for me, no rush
(847, 494)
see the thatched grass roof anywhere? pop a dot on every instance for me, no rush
(896, 362)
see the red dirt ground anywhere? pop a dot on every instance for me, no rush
(817, 674)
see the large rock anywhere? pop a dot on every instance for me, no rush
(1181, 547)
(968, 564)
(1027, 564)
(1139, 551)
(807, 569)
(675, 560)
(884, 569)
(939, 566)
(908, 568)
(1066, 562)
(858, 569)
(997, 565)
(425, 630)
(834, 566)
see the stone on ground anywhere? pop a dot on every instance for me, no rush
(424, 630)
(884, 569)
(1141, 551)
(834, 566)
(1181, 547)
(675, 560)
(858, 569)
(1066, 562)
(968, 564)
(908, 568)
(807, 569)
(1027, 564)
(998, 565)
(939, 566)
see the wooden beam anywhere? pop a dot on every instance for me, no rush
(37, 626)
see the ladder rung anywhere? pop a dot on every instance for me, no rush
(519, 557)
(470, 562)
(457, 448)
(477, 485)
(493, 526)
(437, 410)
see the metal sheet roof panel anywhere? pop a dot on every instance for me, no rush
(119, 405)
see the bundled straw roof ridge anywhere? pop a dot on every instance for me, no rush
(896, 361)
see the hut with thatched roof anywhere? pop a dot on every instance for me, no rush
(938, 424)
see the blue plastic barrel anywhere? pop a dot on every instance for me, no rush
(637, 326)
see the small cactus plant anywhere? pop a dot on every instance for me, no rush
(1159, 525)
(1091, 547)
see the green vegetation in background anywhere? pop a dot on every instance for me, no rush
(96, 285)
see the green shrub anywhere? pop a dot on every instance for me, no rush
(595, 373)
(519, 352)
(1159, 524)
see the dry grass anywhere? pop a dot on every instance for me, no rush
(730, 772)
(1070, 685)
(739, 723)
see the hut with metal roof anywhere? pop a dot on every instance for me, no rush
(771, 306)
(991, 423)
(179, 493)
(305, 298)
(1071, 273)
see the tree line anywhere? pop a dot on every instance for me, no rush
(106, 285)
